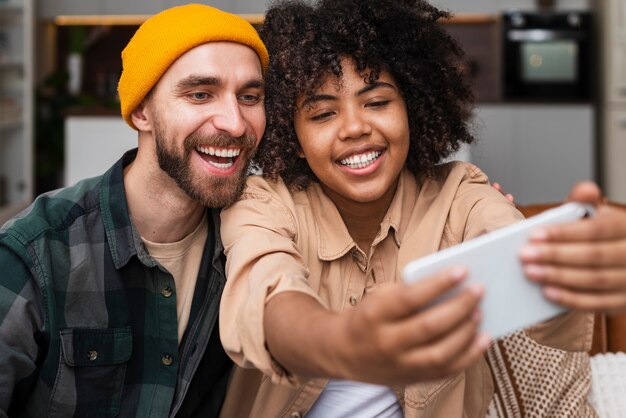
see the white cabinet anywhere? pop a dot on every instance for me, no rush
(93, 144)
(130, 7)
(537, 152)
(614, 167)
(612, 15)
(497, 6)
(48, 9)
(16, 105)
(226, 5)
(615, 51)
(51, 8)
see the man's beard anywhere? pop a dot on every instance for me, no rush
(211, 190)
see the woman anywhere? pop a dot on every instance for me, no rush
(364, 102)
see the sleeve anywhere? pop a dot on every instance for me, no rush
(489, 210)
(21, 324)
(263, 260)
(479, 208)
(550, 356)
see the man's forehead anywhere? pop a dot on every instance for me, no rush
(222, 53)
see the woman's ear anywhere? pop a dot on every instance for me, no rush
(301, 153)
(140, 118)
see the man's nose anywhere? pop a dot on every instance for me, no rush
(229, 118)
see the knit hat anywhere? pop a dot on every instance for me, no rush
(164, 37)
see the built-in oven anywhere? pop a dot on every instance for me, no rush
(547, 55)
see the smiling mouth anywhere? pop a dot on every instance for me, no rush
(361, 160)
(219, 157)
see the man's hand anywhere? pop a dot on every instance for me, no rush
(582, 264)
(392, 337)
(499, 188)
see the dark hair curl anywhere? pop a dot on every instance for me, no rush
(307, 42)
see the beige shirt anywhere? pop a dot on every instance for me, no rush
(182, 260)
(277, 241)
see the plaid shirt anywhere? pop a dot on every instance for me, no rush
(88, 323)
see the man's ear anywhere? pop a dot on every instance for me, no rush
(140, 117)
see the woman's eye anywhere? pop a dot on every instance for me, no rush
(378, 103)
(322, 116)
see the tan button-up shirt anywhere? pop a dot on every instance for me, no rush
(277, 241)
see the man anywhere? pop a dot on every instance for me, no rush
(109, 289)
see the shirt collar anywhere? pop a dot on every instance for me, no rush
(333, 236)
(122, 238)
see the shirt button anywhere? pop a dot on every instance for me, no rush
(296, 415)
(354, 300)
(167, 359)
(92, 355)
(166, 291)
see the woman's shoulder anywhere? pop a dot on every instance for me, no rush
(457, 172)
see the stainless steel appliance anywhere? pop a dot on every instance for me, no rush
(547, 55)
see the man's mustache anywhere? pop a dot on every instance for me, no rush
(219, 140)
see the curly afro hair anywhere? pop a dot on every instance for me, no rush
(307, 42)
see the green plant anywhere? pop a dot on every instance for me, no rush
(77, 39)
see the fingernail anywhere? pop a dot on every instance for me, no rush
(539, 234)
(484, 340)
(552, 293)
(477, 315)
(529, 252)
(458, 273)
(476, 290)
(535, 271)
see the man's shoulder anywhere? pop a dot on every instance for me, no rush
(54, 211)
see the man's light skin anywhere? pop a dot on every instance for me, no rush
(582, 264)
(212, 96)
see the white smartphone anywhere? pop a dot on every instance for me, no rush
(511, 301)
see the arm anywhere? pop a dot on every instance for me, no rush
(392, 332)
(582, 264)
(20, 321)
(271, 318)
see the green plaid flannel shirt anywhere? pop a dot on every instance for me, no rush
(88, 324)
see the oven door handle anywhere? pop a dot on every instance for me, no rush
(542, 35)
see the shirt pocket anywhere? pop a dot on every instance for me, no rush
(91, 372)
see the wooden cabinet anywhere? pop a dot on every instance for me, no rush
(537, 152)
(16, 105)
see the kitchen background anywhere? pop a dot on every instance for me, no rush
(550, 83)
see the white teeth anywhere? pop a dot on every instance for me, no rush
(360, 161)
(222, 166)
(220, 152)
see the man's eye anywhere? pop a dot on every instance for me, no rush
(322, 116)
(199, 95)
(250, 99)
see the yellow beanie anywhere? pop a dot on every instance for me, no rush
(164, 37)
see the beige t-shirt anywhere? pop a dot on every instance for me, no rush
(182, 260)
